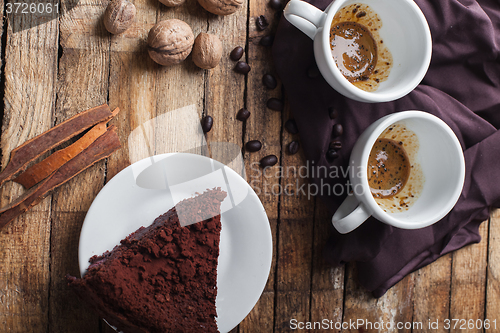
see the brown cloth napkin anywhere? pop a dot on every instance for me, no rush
(461, 87)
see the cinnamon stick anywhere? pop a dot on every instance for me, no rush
(31, 149)
(101, 148)
(45, 168)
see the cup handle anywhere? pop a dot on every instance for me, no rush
(304, 16)
(349, 215)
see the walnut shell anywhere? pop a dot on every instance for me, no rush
(170, 42)
(207, 51)
(221, 7)
(119, 15)
(172, 3)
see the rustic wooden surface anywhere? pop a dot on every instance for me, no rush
(53, 70)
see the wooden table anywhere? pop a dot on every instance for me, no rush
(56, 69)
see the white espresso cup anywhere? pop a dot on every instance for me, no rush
(441, 162)
(404, 32)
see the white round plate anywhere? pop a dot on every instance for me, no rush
(150, 187)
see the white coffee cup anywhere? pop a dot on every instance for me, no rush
(442, 163)
(405, 32)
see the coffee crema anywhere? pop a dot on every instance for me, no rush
(394, 175)
(388, 168)
(357, 49)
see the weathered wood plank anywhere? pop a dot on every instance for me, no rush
(295, 240)
(493, 275)
(394, 307)
(432, 294)
(224, 91)
(183, 84)
(327, 285)
(82, 83)
(468, 283)
(132, 89)
(264, 125)
(29, 96)
(132, 85)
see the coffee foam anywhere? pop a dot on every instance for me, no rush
(402, 201)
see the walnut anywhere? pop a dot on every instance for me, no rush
(221, 7)
(172, 3)
(119, 15)
(170, 42)
(207, 51)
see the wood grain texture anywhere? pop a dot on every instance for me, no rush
(295, 236)
(132, 86)
(327, 286)
(433, 281)
(29, 96)
(468, 283)
(225, 91)
(82, 83)
(493, 270)
(394, 307)
(264, 125)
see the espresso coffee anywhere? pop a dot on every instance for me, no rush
(394, 174)
(357, 48)
(388, 168)
(354, 50)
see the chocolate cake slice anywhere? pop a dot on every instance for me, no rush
(162, 278)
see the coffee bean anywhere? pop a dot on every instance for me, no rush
(337, 145)
(261, 23)
(331, 155)
(253, 146)
(207, 123)
(338, 130)
(275, 104)
(293, 147)
(269, 81)
(236, 53)
(243, 114)
(291, 126)
(332, 112)
(278, 14)
(275, 4)
(242, 67)
(267, 40)
(268, 161)
(313, 72)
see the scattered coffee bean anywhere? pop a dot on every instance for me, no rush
(268, 161)
(293, 147)
(253, 146)
(337, 145)
(243, 114)
(275, 104)
(275, 4)
(338, 130)
(236, 53)
(332, 112)
(269, 81)
(207, 123)
(242, 67)
(267, 40)
(331, 155)
(261, 23)
(291, 126)
(313, 72)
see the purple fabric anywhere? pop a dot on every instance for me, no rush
(461, 87)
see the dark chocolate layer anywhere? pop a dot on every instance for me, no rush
(162, 278)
